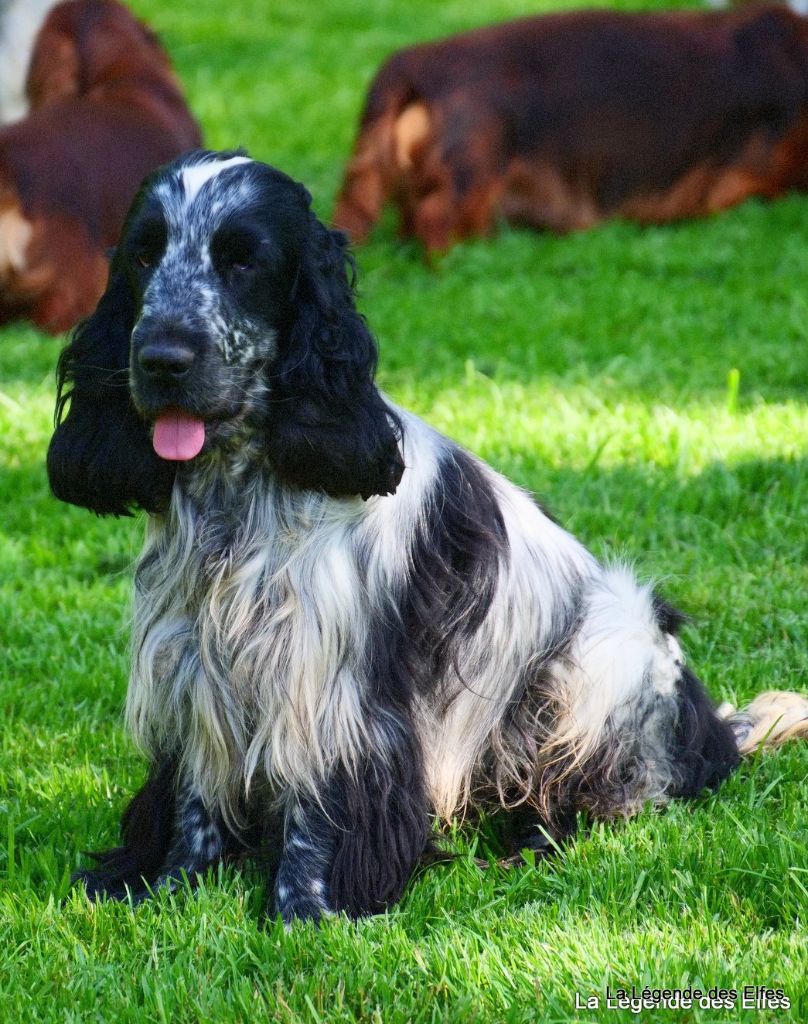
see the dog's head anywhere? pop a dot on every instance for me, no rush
(229, 307)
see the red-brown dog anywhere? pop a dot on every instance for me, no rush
(565, 120)
(100, 108)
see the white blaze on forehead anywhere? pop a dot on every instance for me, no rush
(195, 176)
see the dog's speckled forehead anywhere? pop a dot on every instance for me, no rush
(203, 192)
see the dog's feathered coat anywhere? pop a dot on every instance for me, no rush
(344, 622)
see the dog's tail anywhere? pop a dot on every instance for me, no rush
(773, 718)
(395, 127)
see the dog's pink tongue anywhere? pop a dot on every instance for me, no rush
(178, 436)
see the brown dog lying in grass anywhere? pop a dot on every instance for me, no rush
(565, 120)
(91, 106)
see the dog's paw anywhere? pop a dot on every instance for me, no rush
(103, 885)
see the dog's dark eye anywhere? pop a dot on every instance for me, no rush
(147, 243)
(237, 252)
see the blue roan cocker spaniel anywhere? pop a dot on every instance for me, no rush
(344, 623)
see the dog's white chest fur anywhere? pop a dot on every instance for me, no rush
(247, 630)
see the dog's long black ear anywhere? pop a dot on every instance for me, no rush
(100, 456)
(330, 430)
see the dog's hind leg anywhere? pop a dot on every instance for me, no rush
(367, 181)
(528, 829)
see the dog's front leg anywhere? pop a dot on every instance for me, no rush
(302, 880)
(200, 839)
(352, 846)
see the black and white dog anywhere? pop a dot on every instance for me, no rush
(344, 623)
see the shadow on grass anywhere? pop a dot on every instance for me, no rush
(662, 313)
(746, 517)
(28, 357)
(759, 502)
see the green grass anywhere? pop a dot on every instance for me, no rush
(595, 370)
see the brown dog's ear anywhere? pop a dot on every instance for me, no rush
(330, 430)
(101, 456)
(54, 73)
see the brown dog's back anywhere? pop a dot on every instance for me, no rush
(564, 120)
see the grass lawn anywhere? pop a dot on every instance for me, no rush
(597, 370)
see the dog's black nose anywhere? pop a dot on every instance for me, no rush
(165, 360)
